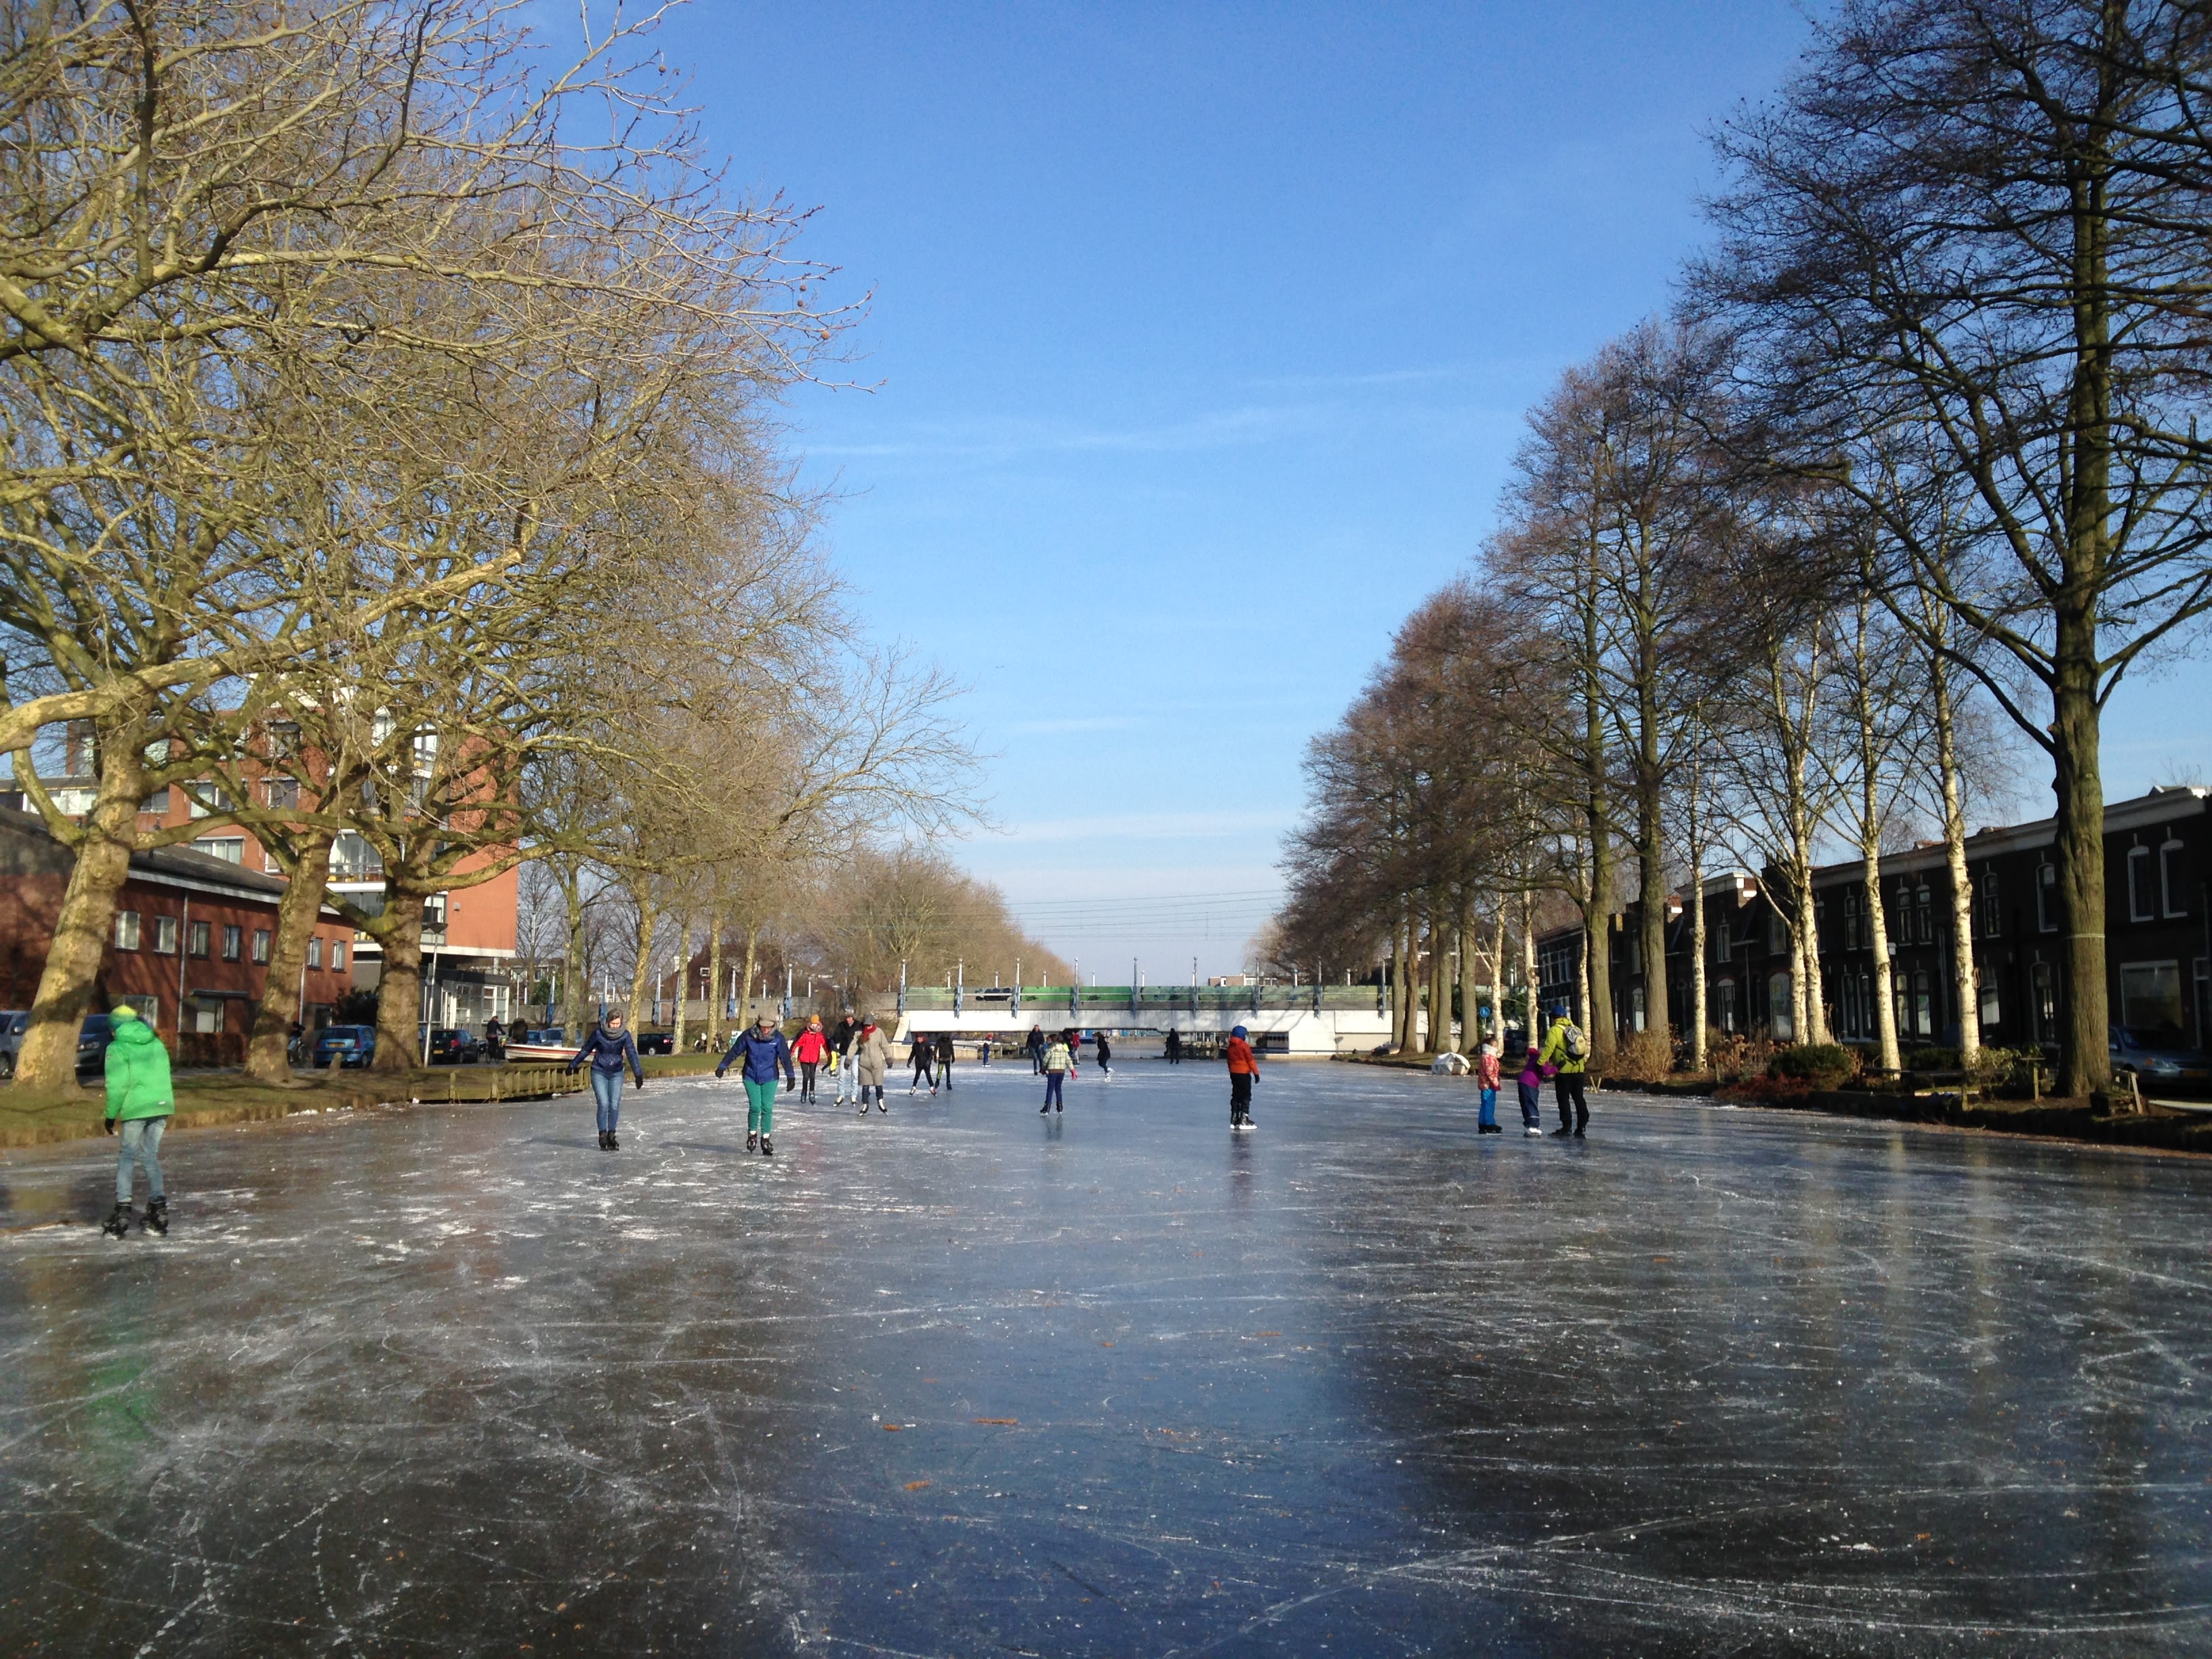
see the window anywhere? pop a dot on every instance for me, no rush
(2142, 885)
(1850, 921)
(1724, 1002)
(1985, 895)
(1992, 1011)
(233, 942)
(198, 938)
(1923, 1006)
(1923, 915)
(204, 1013)
(280, 791)
(126, 930)
(205, 798)
(261, 945)
(1777, 933)
(165, 935)
(352, 859)
(315, 952)
(1850, 1017)
(231, 849)
(2150, 996)
(2046, 897)
(2043, 991)
(157, 803)
(338, 954)
(1781, 1019)
(1721, 952)
(1636, 1006)
(2176, 897)
(283, 739)
(148, 1006)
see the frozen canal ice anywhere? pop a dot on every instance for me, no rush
(959, 1381)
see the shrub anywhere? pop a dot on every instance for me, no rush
(1643, 1057)
(1931, 1059)
(1770, 1090)
(1819, 1065)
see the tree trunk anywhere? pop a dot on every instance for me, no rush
(48, 1058)
(1885, 976)
(1651, 894)
(715, 1036)
(641, 964)
(2084, 1056)
(1497, 977)
(1403, 995)
(1530, 988)
(399, 993)
(1694, 845)
(752, 958)
(1964, 981)
(267, 1059)
(1440, 982)
(682, 979)
(1869, 839)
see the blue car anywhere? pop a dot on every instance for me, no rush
(345, 1045)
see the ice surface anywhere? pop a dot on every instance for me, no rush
(958, 1379)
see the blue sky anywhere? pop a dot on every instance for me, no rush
(1199, 344)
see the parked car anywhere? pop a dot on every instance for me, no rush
(345, 1045)
(92, 1040)
(2158, 1057)
(451, 1045)
(656, 1042)
(13, 1022)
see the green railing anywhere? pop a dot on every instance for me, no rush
(1151, 999)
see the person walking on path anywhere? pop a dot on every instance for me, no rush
(1057, 1064)
(1105, 1055)
(609, 1048)
(841, 1056)
(1530, 1082)
(140, 1103)
(872, 1058)
(1486, 1071)
(1174, 1046)
(944, 1061)
(1036, 1047)
(808, 1051)
(1566, 1048)
(762, 1052)
(1244, 1072)
(922, 1051)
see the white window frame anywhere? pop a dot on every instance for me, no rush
(164, 936)
(2046, 897)
(126, 930)
(2138, 883)
(315, 950)
(2169, 869)
(262, 942)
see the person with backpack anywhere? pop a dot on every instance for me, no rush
(140, 1103)
(762, 1051)
(943, 1061)
(1058, 1062)
(809, 1051)
(872, 1058)
(1244, 1072)
(609, 1048)
(1568, 1050)
(1486, 1072)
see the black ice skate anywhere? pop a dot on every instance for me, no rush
(157, 1217)
(117, 1224)
(752, 1140)
(768, 1147)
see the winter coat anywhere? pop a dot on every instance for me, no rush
(841, 1038)
(137, 1074)
(1555, 1048)
(1242, 1061)
(1035, 1044)
(1105, 1054)
(945, 1047)
(763, 1056)
(609, 1051)
(1486, 1071)
(809, 1047)
(872, 1052)
(1056, 1058)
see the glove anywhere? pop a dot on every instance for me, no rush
(718, 1070)
(571, 1070)
(109, 1124)
(640, 1085)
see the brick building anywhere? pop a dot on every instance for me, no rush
(2157, 932)
(191, 941)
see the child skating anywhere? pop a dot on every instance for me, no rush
(1486, 1072)
(1531, 1084)
(762, 1052)
(809, 1051)
(140, 1103)
(1058, 1062)
(1244, 1072)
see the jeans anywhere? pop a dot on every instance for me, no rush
(142, 1144)
(1053, 1081)
(1489, 1119)
(1570, 1086)
(849, 1079)
(606, 1089)
(760, 1106)
(1532, 1103)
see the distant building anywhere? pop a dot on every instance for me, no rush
(190, 944)
(2158, 938)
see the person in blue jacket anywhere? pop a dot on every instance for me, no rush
(764, 1051)
(609, 1048)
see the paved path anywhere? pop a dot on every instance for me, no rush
(959, 1381)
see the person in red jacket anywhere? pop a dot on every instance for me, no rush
(809, 1051)
(1244, 1072)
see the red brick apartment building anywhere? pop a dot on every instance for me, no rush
(191, 941)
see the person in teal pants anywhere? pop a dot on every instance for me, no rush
(139, 1101)
(763, 1052)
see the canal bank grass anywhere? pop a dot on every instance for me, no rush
(209, 1100)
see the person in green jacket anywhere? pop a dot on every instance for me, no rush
(139, 1098)
(1568, 1050)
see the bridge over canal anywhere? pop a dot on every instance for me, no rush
(1312, 1020)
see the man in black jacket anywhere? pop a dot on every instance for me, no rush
(944, 1061)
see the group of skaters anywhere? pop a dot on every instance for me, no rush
(1562, 1058)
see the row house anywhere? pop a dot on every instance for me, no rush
(469, 936)
(2157, 932)
(190, 945)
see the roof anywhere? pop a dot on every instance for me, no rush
(30, 847)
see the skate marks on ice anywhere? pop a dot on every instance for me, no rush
(957, 1381)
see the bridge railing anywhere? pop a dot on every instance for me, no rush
(1090, 1004)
